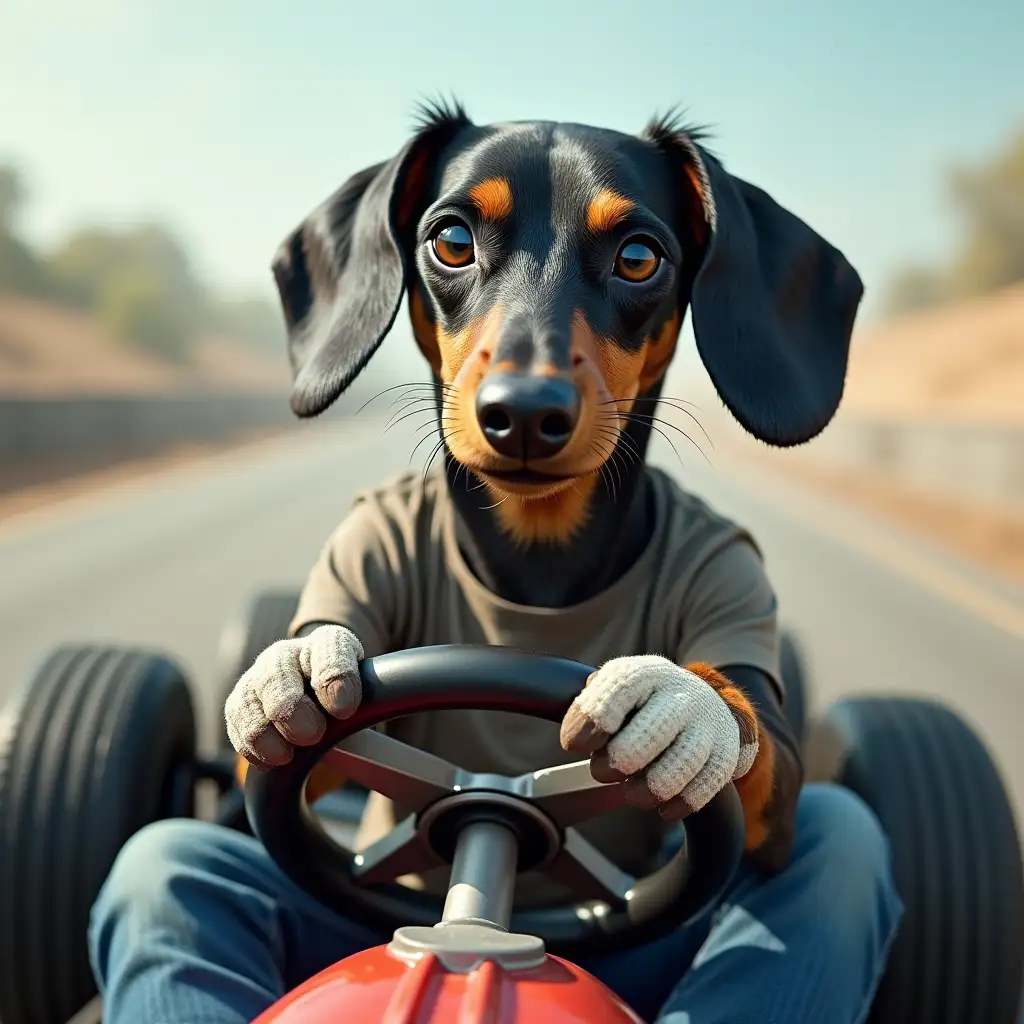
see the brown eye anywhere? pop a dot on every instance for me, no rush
(636, 262)
(453, 245)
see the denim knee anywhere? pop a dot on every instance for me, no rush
(145, 870)
(841, 845)
(143, 890)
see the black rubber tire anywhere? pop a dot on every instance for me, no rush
(956, 857)
(794, 677)
(100, 742)
(261, 621)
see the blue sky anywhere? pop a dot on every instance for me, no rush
(231, 119)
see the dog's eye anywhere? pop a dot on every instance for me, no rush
(453, 245)
(636, 261)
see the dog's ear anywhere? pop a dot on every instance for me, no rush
(773, 303)
(341, 273)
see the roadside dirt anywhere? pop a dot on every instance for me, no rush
(45, 350)
(29, 488)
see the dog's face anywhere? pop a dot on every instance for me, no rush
(549, 263)
(548, 269)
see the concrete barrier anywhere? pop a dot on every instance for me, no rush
(69, 428)
(72, 427)
(968, 462)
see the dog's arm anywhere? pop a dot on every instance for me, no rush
(769, 790)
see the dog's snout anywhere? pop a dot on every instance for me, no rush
(525, 416)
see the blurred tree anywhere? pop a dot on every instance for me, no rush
(138, 307)
(913, 289)
(21, 273)
(12, 195)
(251, 320)
(989, 199)
(84, 265)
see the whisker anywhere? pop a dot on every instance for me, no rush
(651, 420)
(409, 403)
(395, 420)
(395, 387)
(668, 402)
(660, 398)
(433, 455)
(606, 465)
(426, 437)
(643, 419)
(485, 508)
(692, 417)
(628, 448)
(432, 424)
(412, 389)
(631, 446)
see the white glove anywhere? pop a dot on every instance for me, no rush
(268, 712)
(683, 737)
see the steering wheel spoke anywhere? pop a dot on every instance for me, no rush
(410, 777)
(570, 794)
(588, 872)
(401, 852)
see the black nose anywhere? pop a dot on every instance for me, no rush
(526, 416)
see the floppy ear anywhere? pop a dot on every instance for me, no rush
(341, 273)
(773, 306)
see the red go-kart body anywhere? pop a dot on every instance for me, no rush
(376, 986)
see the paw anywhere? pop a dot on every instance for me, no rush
(269, 713)
(664, 729)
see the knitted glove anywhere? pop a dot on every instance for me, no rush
(268, 712)
(681, 746)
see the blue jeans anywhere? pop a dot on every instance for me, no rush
(195, 923)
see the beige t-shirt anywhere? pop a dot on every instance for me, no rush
(392, 572)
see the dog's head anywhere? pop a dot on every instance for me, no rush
(549, 268)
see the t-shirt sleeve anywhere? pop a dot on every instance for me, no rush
(354, 580)
(730, 613)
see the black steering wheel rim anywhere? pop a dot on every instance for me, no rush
(498, 679)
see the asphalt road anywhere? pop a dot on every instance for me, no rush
(161, 562)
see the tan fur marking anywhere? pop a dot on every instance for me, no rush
(695, 205)
(619, 370)
(555, 519)
(493, 198)
(423, 330)
(553, 512)
(755, 790)
(606, 210)
(477, 337)
(658, 353)
(415, 179)
(323, 779)
(756, 787)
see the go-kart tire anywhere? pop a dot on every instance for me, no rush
(794, 677)
(261, 621)
(100, 743)
(958, 956)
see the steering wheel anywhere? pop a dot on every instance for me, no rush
(486, 826)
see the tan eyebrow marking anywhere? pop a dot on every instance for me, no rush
(606, 209)
(493, 198)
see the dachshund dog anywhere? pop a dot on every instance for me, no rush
(548, 269)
